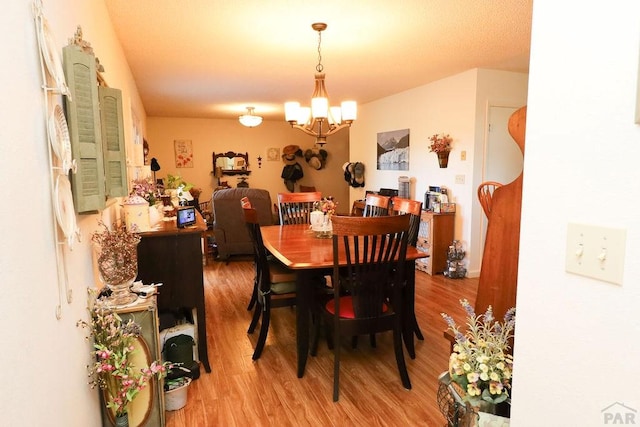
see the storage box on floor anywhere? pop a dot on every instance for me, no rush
(178, 343)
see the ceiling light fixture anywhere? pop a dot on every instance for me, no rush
(311, 120)
(250, 120)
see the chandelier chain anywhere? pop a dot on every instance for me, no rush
(319, 67)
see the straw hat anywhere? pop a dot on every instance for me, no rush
(289, 154)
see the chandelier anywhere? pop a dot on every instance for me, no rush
(320, 120)
(250, 120)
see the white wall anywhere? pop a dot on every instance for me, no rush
(44, 359)
(457, 105)
(220, 136)
(577, 341)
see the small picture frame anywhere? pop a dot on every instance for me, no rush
(273, 154)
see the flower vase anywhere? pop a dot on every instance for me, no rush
(122, 420)
(118, 268)
(325, 229)
(443, 158)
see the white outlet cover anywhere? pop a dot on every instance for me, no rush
(596, 252)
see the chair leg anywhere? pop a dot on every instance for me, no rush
(264, 328)
(354, 342)
(402, 367)
(416, 329)
(336, 372)
(254, 297)
(372, 340)
(254, 320)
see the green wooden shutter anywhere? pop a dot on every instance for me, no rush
(115, 168)
(83, 118)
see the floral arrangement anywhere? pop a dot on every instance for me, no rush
(146, 189)
(112, 371)
(327, 206)
(174, 182)
(481, 363)
(118, 257)
(440, 143)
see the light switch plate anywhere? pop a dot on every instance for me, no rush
(596, 252)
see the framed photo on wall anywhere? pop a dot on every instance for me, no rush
(393, 150)
(183, 153)
(273, 154)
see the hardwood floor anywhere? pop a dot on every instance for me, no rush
(241, 392)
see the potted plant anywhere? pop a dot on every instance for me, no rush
(481, 363)
(112, 370)
(178, 188)
(441, 145)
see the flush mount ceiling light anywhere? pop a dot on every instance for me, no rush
(312, 120)
(250, 120)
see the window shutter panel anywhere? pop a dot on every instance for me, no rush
(83, 118)
(115, 168)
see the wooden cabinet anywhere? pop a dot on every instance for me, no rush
(173, 256)
(434, 237)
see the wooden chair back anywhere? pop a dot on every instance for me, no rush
(413, 208)
(376, 205)
(485, 195)
(295, 208)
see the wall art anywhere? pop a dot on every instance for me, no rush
(393, 150)
(183, 153)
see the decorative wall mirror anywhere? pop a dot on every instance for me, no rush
(231, 163)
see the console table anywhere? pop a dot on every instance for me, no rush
(173, 256)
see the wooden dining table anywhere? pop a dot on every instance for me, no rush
(298, 248)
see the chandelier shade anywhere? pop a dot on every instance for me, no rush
(321, 119)
(249, 119)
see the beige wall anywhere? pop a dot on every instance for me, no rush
(208, 136)
(45, 357)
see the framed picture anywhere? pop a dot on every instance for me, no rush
(273, 154)
(183, 153)
(393, 150)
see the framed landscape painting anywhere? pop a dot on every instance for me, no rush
(393, 150)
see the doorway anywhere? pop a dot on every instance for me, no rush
(503, 160)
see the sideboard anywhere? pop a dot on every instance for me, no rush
(434, 237)
(173, 256)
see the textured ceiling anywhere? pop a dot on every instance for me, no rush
(213, 58)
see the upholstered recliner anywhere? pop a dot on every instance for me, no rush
(231, 234)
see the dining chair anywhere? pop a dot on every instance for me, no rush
(274, 286)
(414, 209)
(295, 208)
(485, 195)
(376, 205)
(375, 251)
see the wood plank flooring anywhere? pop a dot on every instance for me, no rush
(241, 392)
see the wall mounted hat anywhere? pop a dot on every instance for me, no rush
(289, 154)
(315, 157)
(315, 163)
